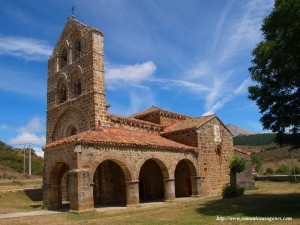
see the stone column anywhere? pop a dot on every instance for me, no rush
(169, 189)
(53, 201)
(132, 192)
(81, 198)
(197, 189)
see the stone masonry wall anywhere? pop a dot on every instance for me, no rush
(188, 137)
(245, 178)
(90, 66)
(214, 168)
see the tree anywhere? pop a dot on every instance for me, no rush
(256, 162)
(276, 71)
(236, 165)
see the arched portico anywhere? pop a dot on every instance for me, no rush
(152, 174)
(58, 185)
(185, 172)
(110, 183)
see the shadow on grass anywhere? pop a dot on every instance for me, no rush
(35, 194)
(264, 205)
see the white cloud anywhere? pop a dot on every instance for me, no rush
(34, 125)
(234, 35)
(140, 100)
(243, 87)
(221, 22)
(26, 48)
(3, 127)
(245, 31)
(195, 87)
(33, 132)
(28, 137)
(129, 74)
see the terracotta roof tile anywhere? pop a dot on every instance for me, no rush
(120, 137)
(188, 124)
(160, 111)
(115, 117)
(242, 151)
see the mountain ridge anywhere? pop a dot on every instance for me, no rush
(236, 131)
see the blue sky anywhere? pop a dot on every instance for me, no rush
(190, 57)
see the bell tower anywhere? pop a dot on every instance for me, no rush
(75, 89)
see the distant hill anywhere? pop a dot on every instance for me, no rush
(236, 131)
(11, 161)
(254, 139)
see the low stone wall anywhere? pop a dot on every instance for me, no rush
(277, 178)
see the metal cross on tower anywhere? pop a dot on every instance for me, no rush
(73, 8)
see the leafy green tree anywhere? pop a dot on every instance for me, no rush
(236, 165)
(276, 71)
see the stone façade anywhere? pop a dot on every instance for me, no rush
(96, 158)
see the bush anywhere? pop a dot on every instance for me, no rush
(232, 192)
(283, 169)
(297, 170)
(237, 164)
(269, 171)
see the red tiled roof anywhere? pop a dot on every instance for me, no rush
(159, 110)
(120, 137)
(242, 151)
(188, 124)
(114, 117)
(146, 111)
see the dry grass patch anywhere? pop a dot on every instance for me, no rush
(270, 199)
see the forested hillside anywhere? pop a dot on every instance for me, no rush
(12, 159)
(254, 140)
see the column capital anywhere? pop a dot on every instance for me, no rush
(132, 181)
(169, 179)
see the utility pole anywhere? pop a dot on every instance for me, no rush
(24, 160)
(292, 152)
(29, 164)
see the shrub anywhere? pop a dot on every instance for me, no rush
(283, 169)
(237, 164)
(297, 170)
(232, 192)
(269, 171)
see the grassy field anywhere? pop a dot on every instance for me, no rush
(268, 200)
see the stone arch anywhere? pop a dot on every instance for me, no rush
(218, 151)
(162, 165)
(71, 116)
(109, 180)
(71, 130)
(58, 174)
(76, 44)
(185, 171)
(63, 55)
(76, 81)
(61, 90)
(152, 174)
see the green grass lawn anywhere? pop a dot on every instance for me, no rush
(270, 199)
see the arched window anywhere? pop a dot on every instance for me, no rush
(61, 90)
(63, 58)
(76, 53)
(76, 84)
(219, 155)
(72, 130)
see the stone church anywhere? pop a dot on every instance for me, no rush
(95, 158)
